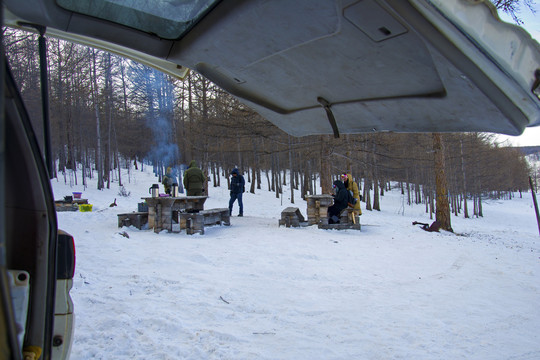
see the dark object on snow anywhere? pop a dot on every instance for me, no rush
(333, 220)
(142, 207)
(435, 226)
(114, 203)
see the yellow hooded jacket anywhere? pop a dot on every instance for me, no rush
(353, 186)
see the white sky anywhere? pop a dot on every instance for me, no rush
(531, 22)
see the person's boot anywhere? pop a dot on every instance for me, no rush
(240, 215)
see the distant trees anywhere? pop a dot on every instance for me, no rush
(513, 7)
(108, 112)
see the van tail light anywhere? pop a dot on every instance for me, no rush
(65, 256)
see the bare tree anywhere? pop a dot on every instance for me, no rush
(442, 206)
(99, 161)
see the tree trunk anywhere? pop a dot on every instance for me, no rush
(291, 171)
(278, 178)
(108, 112)
(255, 166)
(214, 177)
(376, 202)
(442, 213)
(367, 186)
(191, 106)
(268, 179)
(464, 182)
(117, 156)
(253, 176)
(326, 184)
(431, 205)
(98, 159)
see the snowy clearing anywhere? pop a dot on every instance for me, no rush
(254, 290)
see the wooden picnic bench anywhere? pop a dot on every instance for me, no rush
(137, 219)
(347, 220)
(196, 221)
(291, 216)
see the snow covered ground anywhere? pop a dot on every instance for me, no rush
(258, 291)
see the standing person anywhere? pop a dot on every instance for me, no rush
(237, 189)
(168, 180)
(194, 180)
(340, 202)
(351, 185)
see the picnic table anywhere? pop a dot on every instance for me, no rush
(317, 212)
(164, 211)
(317, 208)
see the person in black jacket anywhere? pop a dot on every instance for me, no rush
(340, 202)
(237, 189)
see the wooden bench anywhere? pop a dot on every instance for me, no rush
(195, 221)
(347, 216)
(137, 219)
(291, 216)
(347, 220)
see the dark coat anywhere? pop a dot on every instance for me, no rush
(341, 197)
(193, 178)
(237, 182)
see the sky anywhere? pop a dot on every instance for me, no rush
(531, 22)
(257, 290)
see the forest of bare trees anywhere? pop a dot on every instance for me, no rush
(109, 113)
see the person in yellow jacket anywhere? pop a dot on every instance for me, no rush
(351, 185)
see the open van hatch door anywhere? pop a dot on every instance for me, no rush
(330, 67)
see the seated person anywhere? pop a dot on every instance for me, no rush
(341, 197)
(352, 186)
